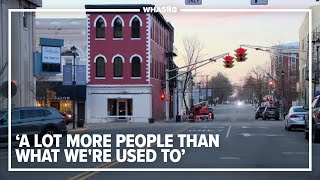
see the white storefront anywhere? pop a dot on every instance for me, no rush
(109, 103)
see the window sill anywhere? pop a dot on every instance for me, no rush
(135, 77)
(117, 39)
(136, 39)
(26, 29)
(100, 39)
(99, 78)
(117, 77)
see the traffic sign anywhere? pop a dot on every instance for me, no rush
(193, 2)
(259, 2)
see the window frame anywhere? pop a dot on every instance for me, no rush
(136, 60)
(97, 63)
(118, 25)
(117, 60)
(103, 28)
(135, 25)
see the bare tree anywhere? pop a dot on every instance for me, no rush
(193, 53)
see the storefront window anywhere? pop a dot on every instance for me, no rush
(112, 107)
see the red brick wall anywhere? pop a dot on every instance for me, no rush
(110, 47)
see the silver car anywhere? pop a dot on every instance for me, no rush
(295, 118)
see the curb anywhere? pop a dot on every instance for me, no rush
(79, 129)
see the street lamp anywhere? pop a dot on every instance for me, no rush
(74, 52)
(282, 75)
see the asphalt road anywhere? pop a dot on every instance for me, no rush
(244, 143)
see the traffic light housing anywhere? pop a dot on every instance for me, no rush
(163, 96)
(241, 55)
(228, 62)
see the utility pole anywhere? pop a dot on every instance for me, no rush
(202, 63)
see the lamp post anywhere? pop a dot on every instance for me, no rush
(74, 51)
(282, 76)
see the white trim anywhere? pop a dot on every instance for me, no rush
(135, 77)
(88, 47)
(100, 39)
(100, 16)
(99, 77)
(148, 48)
(117, 77)
(135, 16)
(135, 55)
(117, 16)
(117, 55)
(100, 55)
(117, 39)
(135, 39)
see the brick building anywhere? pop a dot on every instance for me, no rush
(128, 53)
(286, 60)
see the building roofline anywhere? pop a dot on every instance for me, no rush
(130, 6)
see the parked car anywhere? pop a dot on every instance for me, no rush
(270, 112)
(295, 118)
(316, 120)
(306, 123)
(31, 121)
(259, 112)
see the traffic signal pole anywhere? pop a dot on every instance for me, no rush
(205, 62)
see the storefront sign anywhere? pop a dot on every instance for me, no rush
(51, 55)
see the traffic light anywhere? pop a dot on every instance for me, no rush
(163, 96)
(228, 62)
(241, 55)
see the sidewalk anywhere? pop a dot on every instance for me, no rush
(116, 125)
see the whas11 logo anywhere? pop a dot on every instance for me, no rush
(160, 9)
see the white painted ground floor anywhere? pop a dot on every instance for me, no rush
(109, 103)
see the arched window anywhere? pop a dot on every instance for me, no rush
(117, 67)
(100, 28)
(117, 28)
(136, 67)
(100, 67)
(135, 28)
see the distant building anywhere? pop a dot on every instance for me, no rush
(74, 33)
(303, 84)
(128, 54)
(23, 46)
(285, 61)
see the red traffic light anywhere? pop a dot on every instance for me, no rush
(163, 96)
(240, 51)
(241, 54)
(228, 61)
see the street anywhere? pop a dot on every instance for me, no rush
(244, 143)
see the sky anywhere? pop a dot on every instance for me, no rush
(219, 32)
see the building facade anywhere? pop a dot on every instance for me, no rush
(127, 57)
(73, 32)
(23, 47)
(303, 84)
(285, 73)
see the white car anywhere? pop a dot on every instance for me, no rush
(295, 118)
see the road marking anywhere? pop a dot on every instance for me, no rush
(295, 153)
(88, 174)
(228, 132)
(269, 135)
(229, 158)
